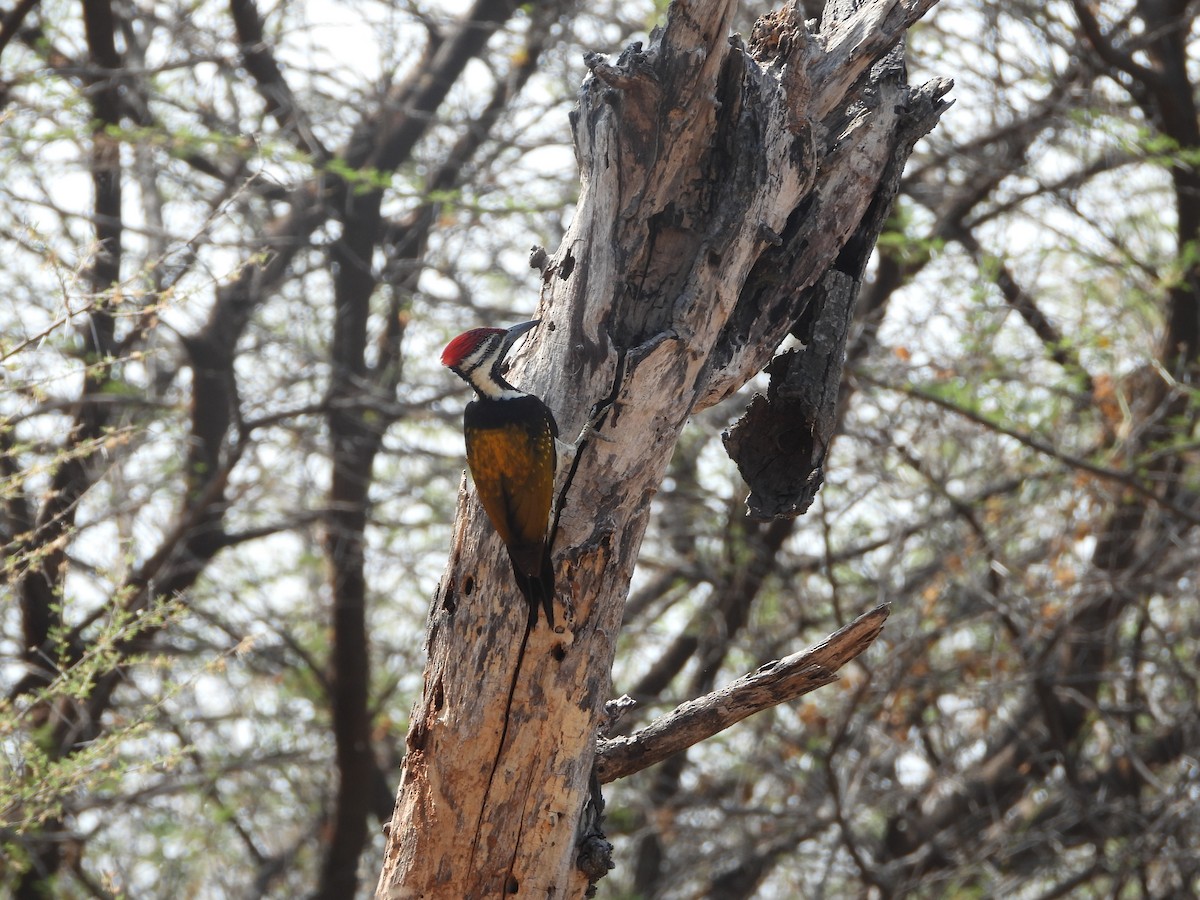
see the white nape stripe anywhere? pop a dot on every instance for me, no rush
(478, 371)
(491, 390)
(477, 358)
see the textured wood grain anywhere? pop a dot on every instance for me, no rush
(774, 683)
(716, 186)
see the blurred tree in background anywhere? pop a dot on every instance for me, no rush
(236, 236)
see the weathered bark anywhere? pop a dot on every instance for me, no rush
(718, 186)
(356, 430)
(771, 684)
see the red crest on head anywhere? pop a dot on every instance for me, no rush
(466, 344)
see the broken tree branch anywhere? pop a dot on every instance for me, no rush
(774, 683)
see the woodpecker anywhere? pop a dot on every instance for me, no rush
(510, 437)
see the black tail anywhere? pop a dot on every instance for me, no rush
(538, 590)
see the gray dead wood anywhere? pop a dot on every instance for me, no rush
(719, 184)
(776, 682)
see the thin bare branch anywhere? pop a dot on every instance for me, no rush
(1128, 479)
(774, 683)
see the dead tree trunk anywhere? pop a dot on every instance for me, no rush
(731, 195)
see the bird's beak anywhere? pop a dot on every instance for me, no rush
(513, 334)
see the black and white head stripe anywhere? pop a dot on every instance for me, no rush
(476, 356)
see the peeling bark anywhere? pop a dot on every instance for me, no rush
(719, 185)
(771, 684)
